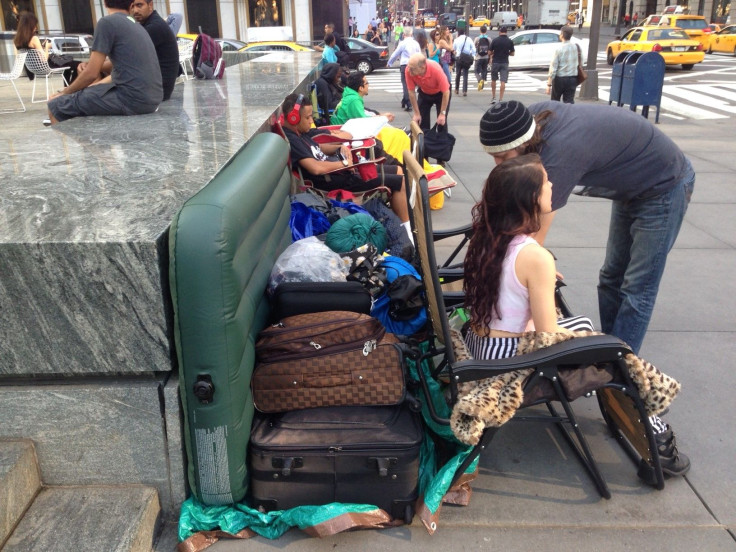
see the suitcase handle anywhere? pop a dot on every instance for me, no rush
(382, 464)
(337, 380)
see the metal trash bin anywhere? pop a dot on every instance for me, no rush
(617, 77)
(642, 82)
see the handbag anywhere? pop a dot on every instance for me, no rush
(438, 145)
(465, 59)
(582, 75)
(59, 60)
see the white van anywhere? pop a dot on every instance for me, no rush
(504, 19)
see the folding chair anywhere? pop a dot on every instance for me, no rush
(599, 360)
(20, 60)
(40, 68)
(185, 56)
(322, 115)
(300, 184)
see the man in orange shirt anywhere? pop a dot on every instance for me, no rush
(434, 90)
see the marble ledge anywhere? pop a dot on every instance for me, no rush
(122, 179)
(84, 211)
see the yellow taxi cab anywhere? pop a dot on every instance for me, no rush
(187, 36)
(723, 41)
(275, 46)
(480, 21)
(674, 45)
(695, 26)
(430, 22)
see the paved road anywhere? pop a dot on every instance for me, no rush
(706, 92)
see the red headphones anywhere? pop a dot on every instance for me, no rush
(294, 117)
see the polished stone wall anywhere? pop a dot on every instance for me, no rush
(86, 355)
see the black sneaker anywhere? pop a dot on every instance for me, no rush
(673, 462)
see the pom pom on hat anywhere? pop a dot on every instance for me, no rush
(505, 126)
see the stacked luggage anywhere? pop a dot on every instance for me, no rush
(333, 424)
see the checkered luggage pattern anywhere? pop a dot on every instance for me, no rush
(346, 359)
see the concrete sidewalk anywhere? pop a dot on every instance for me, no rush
(532, 493)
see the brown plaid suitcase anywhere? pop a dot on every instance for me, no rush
(333, 358)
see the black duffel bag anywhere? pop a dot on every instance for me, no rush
(438, 145)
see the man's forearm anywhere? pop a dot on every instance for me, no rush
(413, 100)
(445, 101)
(82, 81)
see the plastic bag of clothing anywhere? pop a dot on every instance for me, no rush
(307, 260)
(383, 306)
(306, 222)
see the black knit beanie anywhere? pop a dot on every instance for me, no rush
(505, 126)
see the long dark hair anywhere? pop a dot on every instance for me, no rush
(509, 207)
(26, 30)
(421, 37)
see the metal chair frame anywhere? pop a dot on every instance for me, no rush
(15, 72)
(622, 408)
(40, 68)
(186, 48)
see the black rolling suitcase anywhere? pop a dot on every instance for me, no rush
(352, 454)
(292, 298)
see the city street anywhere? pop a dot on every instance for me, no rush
(708, 91)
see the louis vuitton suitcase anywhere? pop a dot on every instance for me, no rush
(361, 455)
(333, 358)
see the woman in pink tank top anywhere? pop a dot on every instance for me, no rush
(509, 277)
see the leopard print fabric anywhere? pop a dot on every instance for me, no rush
(494, 401)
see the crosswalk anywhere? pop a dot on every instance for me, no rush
(713, 96)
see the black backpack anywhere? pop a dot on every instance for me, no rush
(484, 46)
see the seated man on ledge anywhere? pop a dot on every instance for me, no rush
(317, 160)
(135, 85)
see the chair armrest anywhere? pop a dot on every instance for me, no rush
(450, 274)
(466, 230)
(579, 351)
(378, 161)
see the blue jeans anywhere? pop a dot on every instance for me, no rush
(405, 98)
(446, 70)
(641, 234)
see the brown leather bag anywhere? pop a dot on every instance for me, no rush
(582, 75)
(333, 358)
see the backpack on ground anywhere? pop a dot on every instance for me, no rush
(484, 46)
(207, 58)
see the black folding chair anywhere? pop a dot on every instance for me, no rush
(598, 361)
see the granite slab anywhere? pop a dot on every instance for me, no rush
(95, 433)
(85, 207)
(19, 482)
(87, 519)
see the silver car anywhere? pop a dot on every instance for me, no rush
(69, 43)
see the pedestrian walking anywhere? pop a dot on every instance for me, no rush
(562, 79)
(482, 56)
(403, 52)
(464, 57)
(501, 49)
